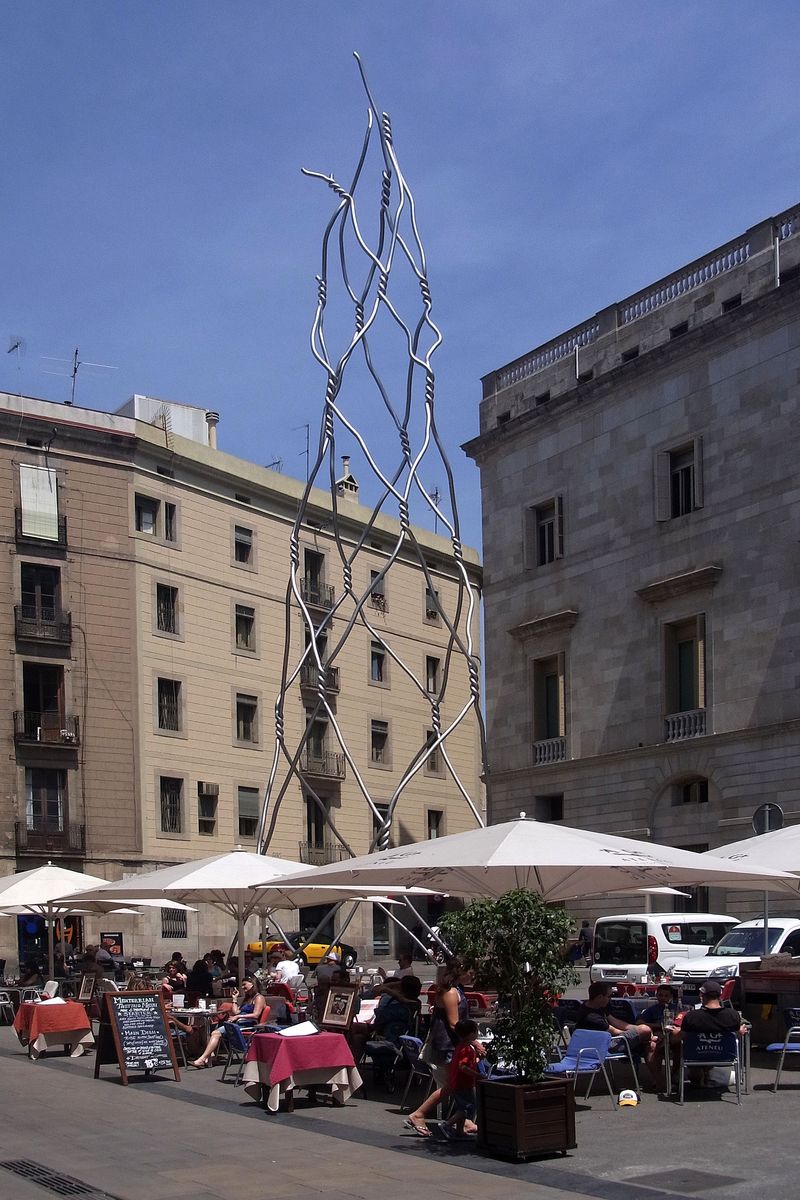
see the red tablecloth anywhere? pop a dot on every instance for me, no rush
(44, 1024)
(273, 1060)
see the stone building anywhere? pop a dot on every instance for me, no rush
(145, 572)
(641, 509)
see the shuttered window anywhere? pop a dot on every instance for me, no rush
(38, 494)
(679, 480)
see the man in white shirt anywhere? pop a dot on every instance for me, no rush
(286, 968)
(404, 968)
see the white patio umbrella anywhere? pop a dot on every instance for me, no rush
(39, 892)
(556, 861)
(780, 849)
(223, 880)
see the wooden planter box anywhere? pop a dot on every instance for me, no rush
(522, 1119)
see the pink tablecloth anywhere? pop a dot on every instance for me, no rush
(42, 1025)
(278, 1064)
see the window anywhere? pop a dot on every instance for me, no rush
(240, 496)
(174, 925)
(548, 808)
(243, 545)
(171, 802)
(170, 523)
(317, 740)
(679, 330)
(435, 823)
(245, 619)
(542, 398)
(377, 590)
(698, 899)
(432, 674)
(38, 493)
(548, 698)
(630, 354)
(43, 701)
(249, 809)
(40, 590)
(166, 608)
(503, 418)
(379, 742)
(207, 797)
(169, 705)
(45, 800)
(378, 664)
(544, 533)
(433, 763)
(314, 591)
(316, 823)
(732, 302)
(431, 604)
(695, 791)
(146, 515)
(586, 376)
(685, 666)
(679, 480)
(246, 718)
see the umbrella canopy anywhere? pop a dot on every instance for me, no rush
(781, 849)
(43, 891)
(557, 862)
(224, 880)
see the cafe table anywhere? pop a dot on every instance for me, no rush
(275, 1065)
(41, 1025)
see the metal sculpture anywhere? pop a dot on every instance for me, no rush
(397, 248)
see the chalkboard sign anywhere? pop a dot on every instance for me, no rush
(134, 1034)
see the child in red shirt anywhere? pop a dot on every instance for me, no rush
(463, 1075)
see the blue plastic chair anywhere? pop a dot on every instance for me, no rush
(236, 1044)
(586, 1054)
(711, 1050)
(787, 1046)
(418, 1071)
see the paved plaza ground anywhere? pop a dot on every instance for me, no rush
(205, 1140)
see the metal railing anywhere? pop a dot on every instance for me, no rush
(549, 751)
(682, 725)
(320, 856)
(46, 728)
(328, 764)
(46, 625)
(309, 677)
(43, 537)
(46, 839)
(318, 595)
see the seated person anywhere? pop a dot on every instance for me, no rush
(393, 1018)
(710, 1017)
(253, 1010)
(283, 965)
(594, 1014)
(653, 1016)
(200, 979)
(30, 975)
(404, 967)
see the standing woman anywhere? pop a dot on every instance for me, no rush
(250, 1012)
(449, 1007)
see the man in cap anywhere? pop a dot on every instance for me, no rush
(710, 1017)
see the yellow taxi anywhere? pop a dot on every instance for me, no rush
(310, 953)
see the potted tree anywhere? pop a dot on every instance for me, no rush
(516, 946)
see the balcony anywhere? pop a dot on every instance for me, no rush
(46, 729)
(679, 727)
(45, 625)
(309, 677)
(326, 765)
(26, 537)
(551, 750)
(320, 856)
(46, 839)
(317, 594)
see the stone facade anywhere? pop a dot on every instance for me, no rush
(158, 629)
(640, 514)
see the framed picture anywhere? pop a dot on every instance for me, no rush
(87, 987)
(340, 1007)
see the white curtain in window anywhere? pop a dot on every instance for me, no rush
(39, 500)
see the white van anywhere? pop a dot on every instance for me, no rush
(638, 946)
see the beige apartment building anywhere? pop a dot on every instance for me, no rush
(641, 516)
(146, 573)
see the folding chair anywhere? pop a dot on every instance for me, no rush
(179, 1042)
(236, 1044)
(787, 1046)
(50, 989)
(621, 1052)
(418, 1071)
(711, 1050)
(31, 993)
(586, 1054)
(384, 1057)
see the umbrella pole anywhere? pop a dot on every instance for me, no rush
(51, 953)
(263, 941)
(766, 923)
(240, 945)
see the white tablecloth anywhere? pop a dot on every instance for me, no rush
(46, 1041)
(343, 1081)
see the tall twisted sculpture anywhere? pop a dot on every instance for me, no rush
(374, 302)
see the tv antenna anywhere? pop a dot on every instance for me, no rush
(306, 452)
(73, 364)
(436, 496)
(275, 465)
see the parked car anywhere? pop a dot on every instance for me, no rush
(742, 944)
(311, 953)
(639, 946)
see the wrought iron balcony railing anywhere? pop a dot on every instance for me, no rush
(327, 764)
(309, 677)
(46, 729)
(47, 839)
(320, 856)
(316, 594)
(45, 625)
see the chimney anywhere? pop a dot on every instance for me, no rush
(345, 465)
(347, 486)
(212, 420)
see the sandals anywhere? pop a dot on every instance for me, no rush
(420, 1128)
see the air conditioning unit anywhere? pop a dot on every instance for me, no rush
(207, 789)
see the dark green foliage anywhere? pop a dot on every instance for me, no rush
(515, 946)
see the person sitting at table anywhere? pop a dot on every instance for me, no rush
(30, 975)
(283, 965)
(59, 966)
(200, 980)
(393, 1018)
(404, 967)
(710, 1017)
(594, 1014)
(216, 963)
(253, 1010)
(653, 1016)
(177, 970)
(173, 979)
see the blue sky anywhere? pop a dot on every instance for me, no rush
(561, 154)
